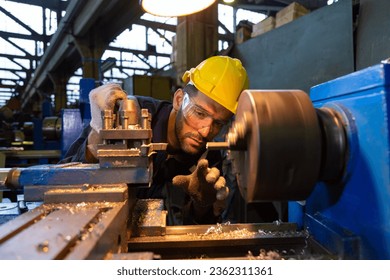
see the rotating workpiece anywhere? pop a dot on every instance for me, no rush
(280, 145)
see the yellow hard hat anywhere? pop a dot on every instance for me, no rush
(221, 78)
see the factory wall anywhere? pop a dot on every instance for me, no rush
(325, 44)
(373, 33)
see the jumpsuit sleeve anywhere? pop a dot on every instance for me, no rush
(77, 150)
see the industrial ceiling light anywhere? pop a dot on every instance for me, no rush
(175, 8)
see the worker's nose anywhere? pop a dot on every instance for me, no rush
(204, 131)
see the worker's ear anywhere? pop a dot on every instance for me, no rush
(178, 99)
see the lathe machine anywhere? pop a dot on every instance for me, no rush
(325, 154)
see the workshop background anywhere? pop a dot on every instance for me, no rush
(337, 52)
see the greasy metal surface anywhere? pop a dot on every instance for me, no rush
(223, 241)
(135, 256)
(89, 222)
(107, 236)
(202, 229)
(71, 231)
(77, 193)
(51, 238)
(118, 153)
(279, 145)
(20, 223)
(122, 159)
(37, 193)
(149, 218)
(86, 193)
(120, 134)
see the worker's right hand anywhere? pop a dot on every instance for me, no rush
(205, 186)
(103, 98)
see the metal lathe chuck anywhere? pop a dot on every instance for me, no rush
(280, 145)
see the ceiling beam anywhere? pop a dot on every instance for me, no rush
(80, 19)
(36, 37)
(52, 4)
(18, 21)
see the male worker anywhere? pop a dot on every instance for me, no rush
(194, 117)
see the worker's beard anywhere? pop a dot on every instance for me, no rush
(188, 139)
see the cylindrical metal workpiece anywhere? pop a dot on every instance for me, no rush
(278, 145)
(217, 145)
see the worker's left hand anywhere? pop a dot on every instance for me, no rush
(103, 98)
(205, 186)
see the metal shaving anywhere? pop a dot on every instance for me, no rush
(220, 232)
(149, 218)
(264, 255)
(148, 212)
(86, 188)
(78, 206)
(149, 204)
(217, 232)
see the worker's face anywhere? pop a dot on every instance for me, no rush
(199, 119)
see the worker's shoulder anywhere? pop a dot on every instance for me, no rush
(152, 104)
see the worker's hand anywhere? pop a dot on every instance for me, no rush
(103, 98)
(205, 185)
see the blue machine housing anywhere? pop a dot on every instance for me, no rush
(351, 217)
(74, 120)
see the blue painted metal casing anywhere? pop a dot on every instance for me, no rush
(71, 128)
(351, 218)
(76, 173)
(86, 85)
(74, 120)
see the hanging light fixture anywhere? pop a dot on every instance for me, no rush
(175, 8)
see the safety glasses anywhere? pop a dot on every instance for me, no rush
(197, 116)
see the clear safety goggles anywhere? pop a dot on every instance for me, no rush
(197, 116)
